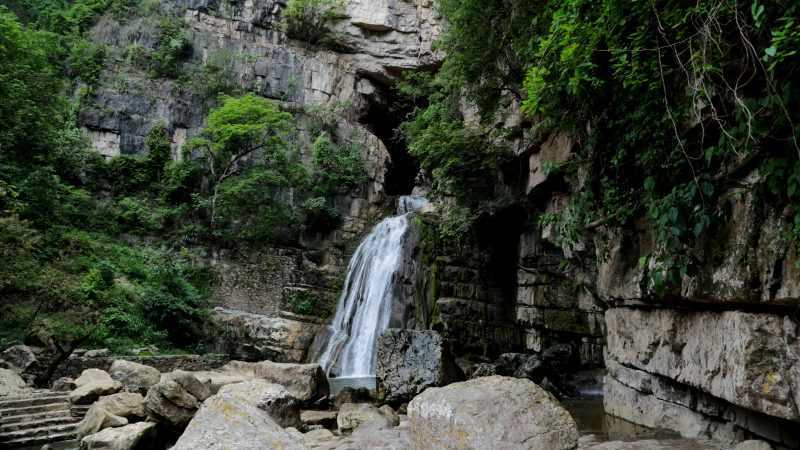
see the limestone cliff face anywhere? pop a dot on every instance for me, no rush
(374, 43)
(717, 356)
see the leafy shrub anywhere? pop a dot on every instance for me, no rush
(338, 167)
(320, 217)
(172, 48)
(311, 20)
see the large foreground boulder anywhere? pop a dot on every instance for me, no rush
(134, 377)
(91, 385)
(232, 420)
(11, 384)
(257, 337)
(112, 411)
(305, 382)
(271, 398)
(490, 412)
(176, 398)
(410, 361)
(137, 436)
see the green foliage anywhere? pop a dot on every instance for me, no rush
(312, 20)
(250, 168)
(670, 102)
(32, 108)
(172, 48)
(320, 217)
(307, 303)
(338, 167)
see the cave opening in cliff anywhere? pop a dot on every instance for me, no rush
(384, 114)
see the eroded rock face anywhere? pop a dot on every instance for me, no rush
(490, 412)
(112, 411)
(306, 382)
(409, 361)
(750, 360)
(176, 398)
(134, 377)
(91, 385)
(230, 420)
(271, 398)
(259, 337)
(137, 436)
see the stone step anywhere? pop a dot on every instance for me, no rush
(33, 401)
(34, 409)
(44, 432)
(37, 416)
(38, 440)
(36, 423)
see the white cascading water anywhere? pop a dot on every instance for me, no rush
(365, 305)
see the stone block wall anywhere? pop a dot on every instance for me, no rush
(164, 363)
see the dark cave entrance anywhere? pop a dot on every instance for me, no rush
(383, 115)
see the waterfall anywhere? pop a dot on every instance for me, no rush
(365, 305)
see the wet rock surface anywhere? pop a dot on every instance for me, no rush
(410, 361)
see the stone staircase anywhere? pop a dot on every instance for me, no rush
(41, 417)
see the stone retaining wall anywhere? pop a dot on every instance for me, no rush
(167, 363)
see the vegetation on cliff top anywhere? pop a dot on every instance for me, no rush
(670, 104)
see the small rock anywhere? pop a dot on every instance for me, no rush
(326, 419)
(483, 370)
(112, 411)
(137, 436)
(99, 353)
(355, 415)
(351, 395)
(134, 377)
(91, 385)
(753, 445)
(318, 436)
(64, 384)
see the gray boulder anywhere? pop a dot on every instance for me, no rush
(112, 411)
(409, 361)
(231, 420)
(20, 358)
(137, 436)
(11, 384)
(176, 398)
(134, 377)
(64, 384)
(271, 398)
(490, 412)
(91, 385)
(324, 419)
(357, 415)
(753, 445)
(258, 337)
(651, 444)
(306, 382)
